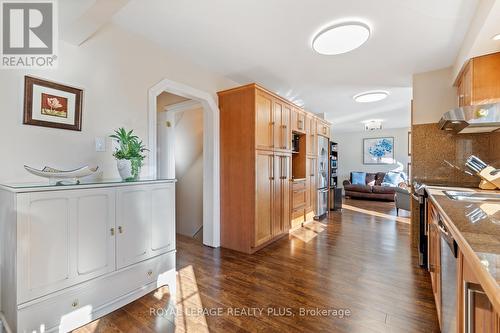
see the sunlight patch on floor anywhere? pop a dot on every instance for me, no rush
(377, 214)
(308, 231)
(190, 316)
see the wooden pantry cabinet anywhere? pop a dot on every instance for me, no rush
(478, 81)
(263, 189)
(255, 141)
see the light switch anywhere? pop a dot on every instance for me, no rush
(100, 144)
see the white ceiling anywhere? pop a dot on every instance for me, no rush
(269, 42)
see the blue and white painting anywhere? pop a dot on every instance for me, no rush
(378, 151)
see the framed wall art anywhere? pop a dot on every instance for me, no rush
(378, 150)
(50, 104)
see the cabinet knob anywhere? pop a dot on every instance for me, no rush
(120, 229)
(112, 231)
(150, 272)
(74, 304)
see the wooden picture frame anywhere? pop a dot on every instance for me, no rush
(50, 104)
(409, 143)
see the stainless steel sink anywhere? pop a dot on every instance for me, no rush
(472, 196)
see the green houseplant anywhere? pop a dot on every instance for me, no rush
(129, 155)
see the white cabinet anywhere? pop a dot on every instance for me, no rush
(61, 242)
(145, 223)
(133, 213)
(63, 238)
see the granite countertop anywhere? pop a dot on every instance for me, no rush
(476, 228)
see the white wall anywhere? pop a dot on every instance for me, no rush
(116, 69)
(351, 151)
(433, 95)
(188, 153)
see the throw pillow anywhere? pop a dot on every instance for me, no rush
(358, 178)
(392, 178)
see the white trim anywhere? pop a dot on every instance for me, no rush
(183, 106)
(3, 322)
(211, 153)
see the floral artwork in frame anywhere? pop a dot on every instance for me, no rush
(50, 104)
(378, 150)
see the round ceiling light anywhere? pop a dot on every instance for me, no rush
(341, 38)
(496, 37)
(371, 96)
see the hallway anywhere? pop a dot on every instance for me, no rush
(357, 261)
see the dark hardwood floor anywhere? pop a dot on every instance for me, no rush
(359, 260)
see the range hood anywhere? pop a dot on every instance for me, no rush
(472, 119)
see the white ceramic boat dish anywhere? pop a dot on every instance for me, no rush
(56, 176)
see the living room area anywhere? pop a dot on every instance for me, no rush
(374, 165)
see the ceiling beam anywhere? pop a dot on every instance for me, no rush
(99, 14)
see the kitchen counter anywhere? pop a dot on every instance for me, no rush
(476, 228)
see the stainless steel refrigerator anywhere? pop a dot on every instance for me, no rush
(322, 180)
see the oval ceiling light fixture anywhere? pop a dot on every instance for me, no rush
(496, 37)
(371, 96)
(341, 38)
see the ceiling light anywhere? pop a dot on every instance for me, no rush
(341, 38)
(496, 37)
(373, 124)
(371, 96)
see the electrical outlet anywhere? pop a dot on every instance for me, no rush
(100, 144)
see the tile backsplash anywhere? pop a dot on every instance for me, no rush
(438, 157)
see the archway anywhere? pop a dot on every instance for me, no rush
(211, 170)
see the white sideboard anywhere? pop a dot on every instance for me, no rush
(71, 254)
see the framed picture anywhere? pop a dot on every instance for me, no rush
(378, 150)
(50, 104)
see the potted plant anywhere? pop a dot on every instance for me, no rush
(130, 154)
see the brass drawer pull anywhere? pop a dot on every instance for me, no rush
(112, 231)
(74, 304)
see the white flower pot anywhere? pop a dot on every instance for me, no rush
(126, 171)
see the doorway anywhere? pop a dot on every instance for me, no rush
(210, 181)
(180, 132)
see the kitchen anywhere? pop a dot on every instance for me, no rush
(456, 207)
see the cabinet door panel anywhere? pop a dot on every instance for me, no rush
(264, 122)
(95, 216)
(163, 219)
(285, 193)
(311, 137)
(43, 244)
(133, 225)
(264, 197)
(286, 137)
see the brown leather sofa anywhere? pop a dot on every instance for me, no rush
(372, 189)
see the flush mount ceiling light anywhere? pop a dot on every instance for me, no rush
(496, 37)
(371, 96)
(341, 38)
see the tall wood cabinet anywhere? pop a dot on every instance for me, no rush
(255, 136)
(256, 129)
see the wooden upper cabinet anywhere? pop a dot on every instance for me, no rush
(282, 130)
(479, 82)
(264, 121)
(298, 120)
(323, 128)
(311, 130)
